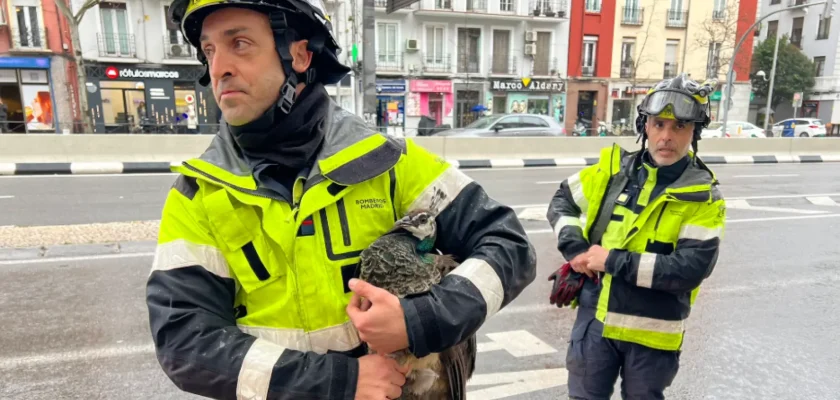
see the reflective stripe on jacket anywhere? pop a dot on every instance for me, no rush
(660, 251)
(248, 292)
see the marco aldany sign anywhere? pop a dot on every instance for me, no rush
(526, 85)
(114, 73)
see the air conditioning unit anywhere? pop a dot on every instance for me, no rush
(531, 36)
(411, 44)
(531, 49)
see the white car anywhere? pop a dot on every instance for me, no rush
(736, 129)
(799, 127)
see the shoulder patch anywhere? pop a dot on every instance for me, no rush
(186, 185)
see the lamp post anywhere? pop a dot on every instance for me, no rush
(730, 79)
(772, 81)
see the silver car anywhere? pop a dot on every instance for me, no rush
(513, 125)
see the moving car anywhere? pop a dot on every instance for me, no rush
(512, 125)
(799, 127)
(736, 129)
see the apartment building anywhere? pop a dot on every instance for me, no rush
(454, 60)
(141, 74)
(629, 45)
(813, 33)
(37, 83)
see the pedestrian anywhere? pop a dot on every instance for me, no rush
(641, 230)
(249, 293)
(4, 116)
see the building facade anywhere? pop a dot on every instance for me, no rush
(453, 61)
(37, 82)
(141, 74)
(814, 34)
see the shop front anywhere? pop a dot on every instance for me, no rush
(622, 114)
(390, 106)
(586, 105)
(431, 100)
(150, 99)
(27, 93)
(531, 96)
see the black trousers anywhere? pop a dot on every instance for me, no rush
(595, 363)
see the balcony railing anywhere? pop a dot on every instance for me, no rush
(23, 38)
(670, 70)
(712, 71)
(593, 6)
(677, 19)
(626, 71)
(826, 84)
(548, 8)
(443, 4)
(719, 15)
(437, 64)
(587, 70)
(476, 5)
(468, 64)
(177, 51)
(116, 45)
(544, 67)
(389, 62)
(501, 65)
(633, 16)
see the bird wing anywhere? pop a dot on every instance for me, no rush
(459, 363)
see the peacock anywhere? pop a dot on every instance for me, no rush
(404, 262)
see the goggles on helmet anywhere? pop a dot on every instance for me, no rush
(673, 104)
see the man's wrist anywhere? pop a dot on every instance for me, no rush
(414, 327)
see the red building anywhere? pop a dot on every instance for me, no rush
(591, 31)
(38, 83)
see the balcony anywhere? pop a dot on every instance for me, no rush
(593, 6)
(477, 6)
(389, 62)
(712, 71)
(587, 70)
(632, 16)
(826, 84)
(626, 71)
(28, 39)
(544, 67)
(177, 51)
(468, 64)
(719, 15)
(503, 65)
(670, 70)
(548, 8)
(116, 45)
(437, 64)
(677, 19)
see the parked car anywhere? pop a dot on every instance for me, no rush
(513, 125)
(737, 129)
(799, 127)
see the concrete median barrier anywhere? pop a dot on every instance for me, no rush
(123, 153)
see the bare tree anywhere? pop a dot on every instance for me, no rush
(720, 31)
(640, 57)
(74, 20)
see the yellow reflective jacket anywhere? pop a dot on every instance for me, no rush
(248, 291)
(661, 247)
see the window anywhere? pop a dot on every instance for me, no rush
(632, 13)
(671, 58)
(713, 60)
(593, 6)
(628, 50)
(502, 62)
(772, 28)
(28, 32)
(174, 44)
(719, 10)
(506, 5)
(541, 59)
(386, 43)
(824, 28)
(676, 15)
(796, 32)
(819, 64)
(443, 4)
(469, 49)
(116, 40)
(590, 47)
(434, 45)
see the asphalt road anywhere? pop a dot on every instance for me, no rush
(764, 326)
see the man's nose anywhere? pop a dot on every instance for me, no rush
(221, 64)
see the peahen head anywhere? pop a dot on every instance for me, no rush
(420, 223)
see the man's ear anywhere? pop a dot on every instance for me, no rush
(302, 58)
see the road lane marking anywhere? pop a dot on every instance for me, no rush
(89, 354)
(45, 260)
(765, 176)
(506, 384)
(7, 197)
(91, 175)
(549, 182)
(744, 205)
(822, 201)
(520, 343)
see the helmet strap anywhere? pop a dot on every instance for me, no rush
(283, 37)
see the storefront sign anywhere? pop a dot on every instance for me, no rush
(24, 62)
(526, 85)
(390, 87)
(134, 73)
(425, 86)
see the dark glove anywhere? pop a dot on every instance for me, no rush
(567, 285)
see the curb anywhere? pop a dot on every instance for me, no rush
(87, 168)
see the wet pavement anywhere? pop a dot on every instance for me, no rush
(764, 325)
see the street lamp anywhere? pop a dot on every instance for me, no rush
(730, 79)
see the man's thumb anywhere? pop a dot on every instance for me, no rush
(361, 288)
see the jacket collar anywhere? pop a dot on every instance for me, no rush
(694, 184)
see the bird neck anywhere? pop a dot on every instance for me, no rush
(426, 245)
